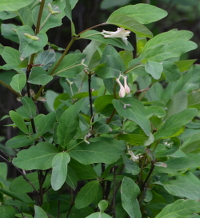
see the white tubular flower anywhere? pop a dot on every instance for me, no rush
(126, 87)
(120, 33)
(122, 90)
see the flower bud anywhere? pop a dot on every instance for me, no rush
(122, 90)
(126, 87)
(35, 38)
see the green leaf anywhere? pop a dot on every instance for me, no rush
(133, 139)
(18, 82)
(129, 193)
(155, 111)
(154, 68)
(46, 58)
(175, 165)
(29, 45)
(97, 36)
(39, 76)
(83, 171)
(25, 15)
(127, 22)
(184, 185)
(166, 38)
(19, 141)
(68, 123)
(194, 99)
(70, 66)
(36, 157)
(182, 208)
(174, 123)
(71, 179)
(19, 122)
(13, 5)
(98, 215)
(39, 212)
(102, 102)
(171, 71)
(11, 56)
(166, 51)
(49, 20)
(29, 106)
(44, 123)
(133, 109)
(7, 211)
(176, 104)
(130, 166)
(20, 185)
(184, 65)
(8, 33)
(4, 170)
(87, 194)
(59, 170)
(98, 151)
(102, 205)
(143, 13)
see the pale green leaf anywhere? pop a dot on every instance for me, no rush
(19, 122)
(18, 82)
(70, 66)
(36, 157)
(59, 170)
(19, 141)
(39, 76)
(28, 45)
(143, 13)
(8, 33)
(102, 205)
(154, 68)
(98, 215)
(181, 208)
(129, 194)
(39, 212)
(13, 5)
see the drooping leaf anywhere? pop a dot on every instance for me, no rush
(59, 172)
(29, 106)
(18, 82)
(36, 157)
(129, 194)
(39, 212)
(19, 122)
(28, 44)
(87, 194)
(98, 151)
(155, 111)
(143, 13)
(180, 208)
(175, 122)
(13, 5)
(127, 22)
(69, 123)
(39, 76)
(184, 185)
(133, 109)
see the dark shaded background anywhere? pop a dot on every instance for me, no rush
(182, 14)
